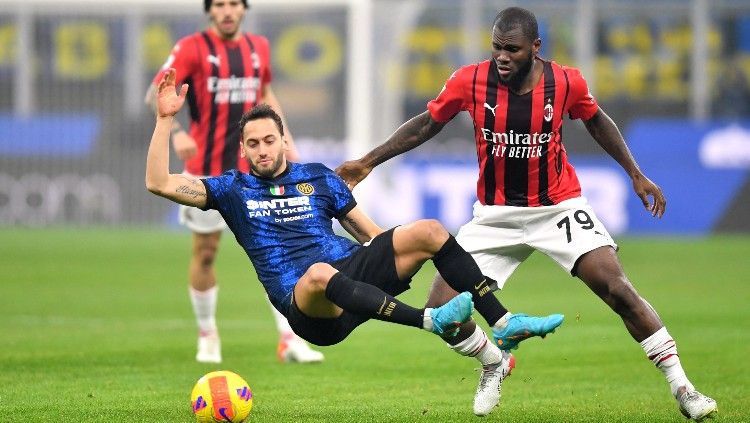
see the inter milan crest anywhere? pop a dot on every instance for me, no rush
(305, 188)
(548, 111)
(277, 189)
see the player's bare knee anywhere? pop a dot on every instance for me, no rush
(205, 255)
(431, 234)
(319, 274)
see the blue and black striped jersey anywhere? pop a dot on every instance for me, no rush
(284, 224)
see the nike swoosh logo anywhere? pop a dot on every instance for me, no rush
(479, 285)
(524, 335)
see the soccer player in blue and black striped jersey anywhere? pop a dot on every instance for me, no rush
(326, 285)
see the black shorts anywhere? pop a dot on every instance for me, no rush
(374, 264)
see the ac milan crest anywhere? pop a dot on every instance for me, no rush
(548, 111)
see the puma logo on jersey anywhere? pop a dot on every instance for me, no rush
(490, 108)
(213, 59)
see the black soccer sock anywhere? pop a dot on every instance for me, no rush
(368, 300)
(461, 272)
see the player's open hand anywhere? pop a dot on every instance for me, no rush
(645, 188)
(353, 172)
(168, 102)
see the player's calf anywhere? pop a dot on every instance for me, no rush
(367, 300)
(461, 272)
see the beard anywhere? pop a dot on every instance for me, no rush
(268, 172)
(225, 33)
(517, 78)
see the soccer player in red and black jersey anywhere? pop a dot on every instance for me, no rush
(229, 72)
(528, 195)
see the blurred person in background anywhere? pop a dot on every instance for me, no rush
(529, 197)
(229, 72)
(732, 96)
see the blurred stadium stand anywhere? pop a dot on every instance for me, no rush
(672, 73)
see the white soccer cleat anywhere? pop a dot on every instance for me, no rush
(491, 379)
(293, 349)
(696, 406)
(209, 348)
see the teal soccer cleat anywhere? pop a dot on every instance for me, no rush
(447, 318)
(522, 326)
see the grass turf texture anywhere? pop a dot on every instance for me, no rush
(96, 326)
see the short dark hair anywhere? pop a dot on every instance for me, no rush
(207, 4)
(513, 17)
(261, 111)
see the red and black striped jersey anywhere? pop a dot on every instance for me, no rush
(226, 79)
(522, 161)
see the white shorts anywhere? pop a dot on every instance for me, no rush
(501, 237)
(201, 221)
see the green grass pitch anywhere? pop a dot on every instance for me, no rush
(96, 326)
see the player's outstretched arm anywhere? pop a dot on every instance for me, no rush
(605, 132)
(360, 226)
(411, 134)
(179, 188)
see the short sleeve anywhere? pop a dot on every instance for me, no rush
(343, 200)
(217, 189)
(450, 101)
(182, 58)
(582, 103)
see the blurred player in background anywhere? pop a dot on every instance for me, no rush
(327, 285)
(230, 72)
(529, 197)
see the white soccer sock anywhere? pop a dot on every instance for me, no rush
(285, 331)
(204, 307)
(503, 322)
(479, 346)
(661, 349)
(427, 320)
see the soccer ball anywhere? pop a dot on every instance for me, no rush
(221, 396)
